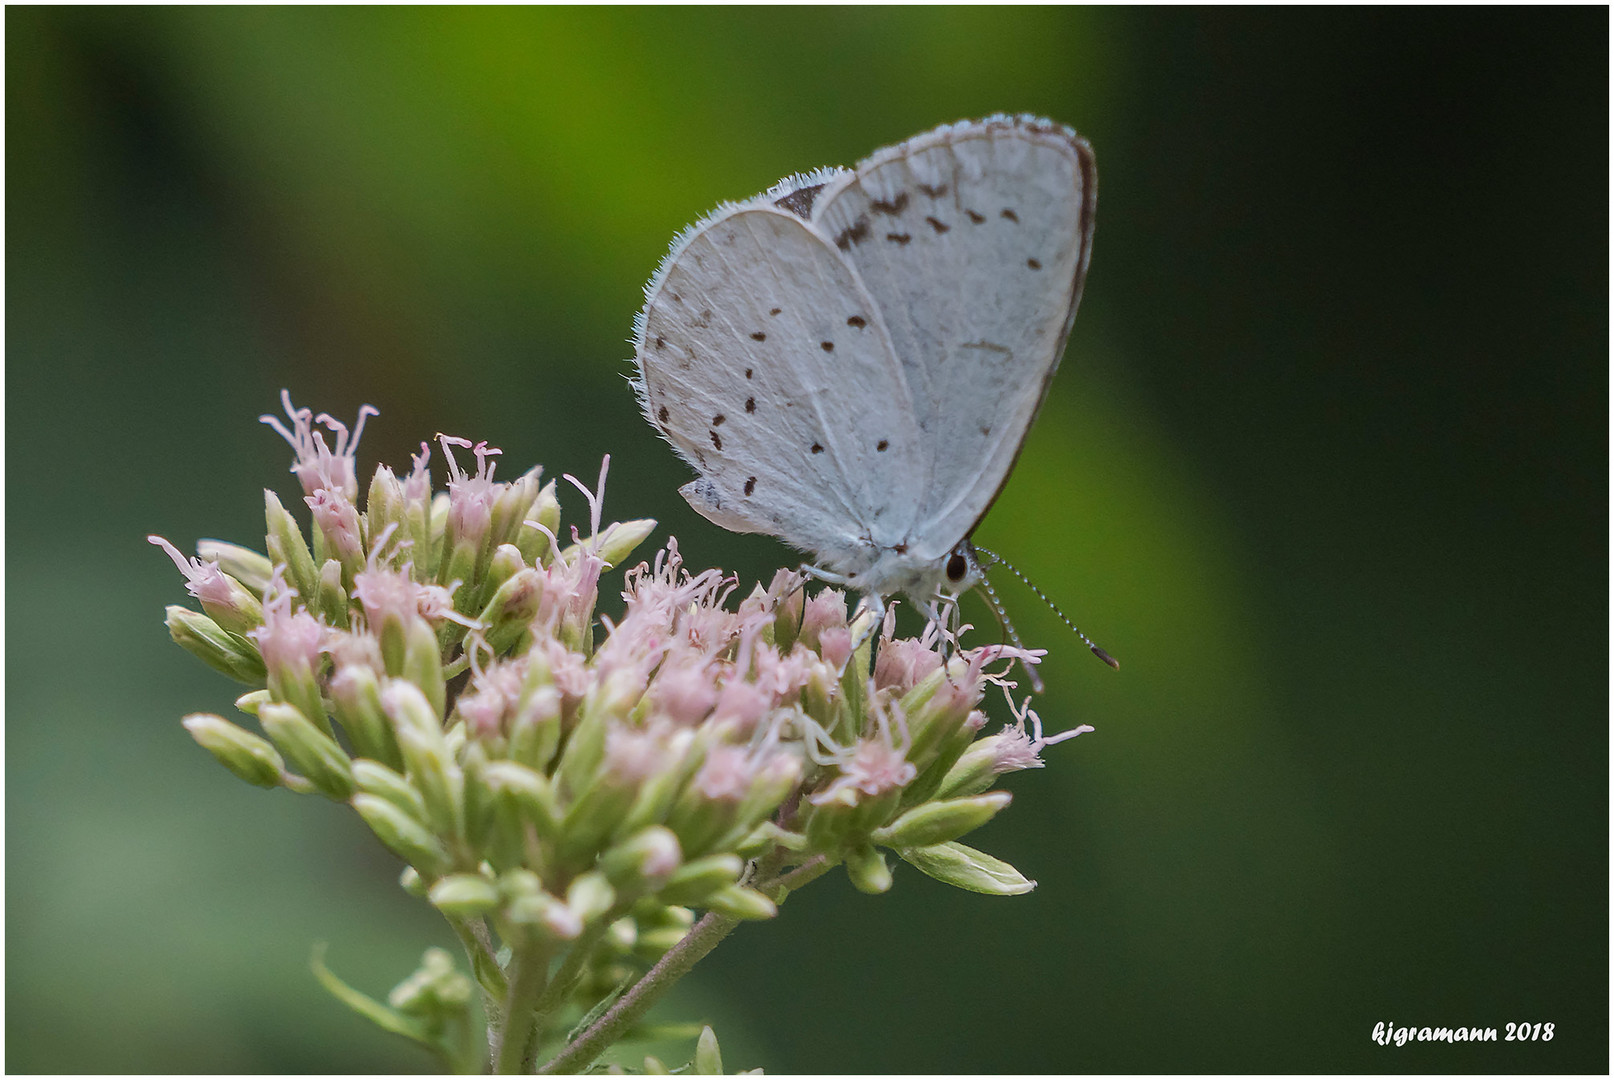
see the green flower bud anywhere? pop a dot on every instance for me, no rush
(315, 754)
(974, 771)
(423, 664)
(384, 504)
(374, 778)
(530, 793)
(789, 599)
(435, 776)
(698, 879)
(512, 506)
(651, 945)
(243, 753)
(738, 902)
(617, 542)
(356, 703)
(403, 835)
(250, 701)
(533, 543)
(512, 607)
(222, 651)
(533, 914)
(477, 796)
(243, 564)
(642, 862)
(464, 896)
(331, 600)
(411, 882)
(535, 729)
(708, 1059)
(287, 546)
(967, 868)
(434, 990)
(938, 822)
(590, 896)
(868, 870)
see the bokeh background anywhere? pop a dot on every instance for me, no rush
(1326, 467)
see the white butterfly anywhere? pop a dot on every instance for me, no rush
(851, 360)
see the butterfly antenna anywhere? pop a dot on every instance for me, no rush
(996, 605)
(999, 559)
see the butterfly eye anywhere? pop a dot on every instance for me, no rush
(957, 567)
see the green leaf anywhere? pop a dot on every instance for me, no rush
(967, 868)
(382, 1016)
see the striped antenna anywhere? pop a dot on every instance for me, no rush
(999, 559)
(996, 605)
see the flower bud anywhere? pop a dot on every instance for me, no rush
(535, 729)
(356, 703)
(590, 896)
(868, 870)
(423, 664)
(619, 540)
(403, 835)
(331, 600)
(738, 902)
(512, 505)
(533, 543)
(464, 896)
(530, 793)
(316, 755)
(250, 701)
(383, 504)
(642, 862)
(207, 641)
(698, 879)
(476, 795)
(432, 771)
(411, 882)
(512, 607)
(435, 990)
(288, 548)
(534, 913)
(373, 778)
(243, 753)
(243, 564)
(789, 601)
(955, 864)
(938, 822)
(708, 1059)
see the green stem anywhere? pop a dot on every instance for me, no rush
(529, 972)
(702, 938)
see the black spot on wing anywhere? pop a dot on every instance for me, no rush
(717, 440)
(1034, 264)
(750, 484)
(750, 404)
(857, 321)
(827, 346)
(662, 414)
(800, 202)
(818, 448)
(749, 372)
(894, 206)
(759, 336)
(977, 218)
(1011, 215)
(933, 192)
(882, 444)
(898, 237)
(718, 419)
(854, 233)
(939, 226)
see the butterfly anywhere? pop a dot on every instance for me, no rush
(852, 359)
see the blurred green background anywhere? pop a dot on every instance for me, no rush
(1326, 468)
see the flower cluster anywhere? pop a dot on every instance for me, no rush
(563, 786)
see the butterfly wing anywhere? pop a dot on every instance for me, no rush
(973, 241)
(763, 361)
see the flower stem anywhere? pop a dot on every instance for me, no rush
(702, 938)
(529, 973)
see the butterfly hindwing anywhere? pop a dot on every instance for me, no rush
(763, 361)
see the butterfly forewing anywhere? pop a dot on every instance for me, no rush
(763, 361)
(973, 242)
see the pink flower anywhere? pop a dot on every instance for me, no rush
(470, 497)
(318, 467)
(203, 580)
(289, 641)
